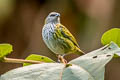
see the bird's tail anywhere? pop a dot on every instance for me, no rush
(79, 51)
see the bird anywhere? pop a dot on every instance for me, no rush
(58, 38)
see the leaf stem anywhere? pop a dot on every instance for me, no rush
(11, 60)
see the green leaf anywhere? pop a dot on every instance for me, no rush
(90, 66)
(111, 35)
(116, 56)
(5, 49)
(95, 61)
(38, 58)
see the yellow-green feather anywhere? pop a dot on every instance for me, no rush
(66, 39)
(64, 32)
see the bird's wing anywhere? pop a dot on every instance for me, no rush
(65, 33)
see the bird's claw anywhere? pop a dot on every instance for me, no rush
(62, 60)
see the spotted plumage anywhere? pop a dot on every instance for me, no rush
(57, 37)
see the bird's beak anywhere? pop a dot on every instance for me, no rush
(58, 15)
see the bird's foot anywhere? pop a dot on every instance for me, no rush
(62, 60)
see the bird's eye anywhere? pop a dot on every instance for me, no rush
(52, 15)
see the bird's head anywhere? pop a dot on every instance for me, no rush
(53, 17)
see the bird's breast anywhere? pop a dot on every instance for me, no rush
(51, 39)
(48, 31)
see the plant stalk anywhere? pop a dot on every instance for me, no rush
(11, 60)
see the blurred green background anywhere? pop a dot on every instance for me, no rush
(21, 23)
